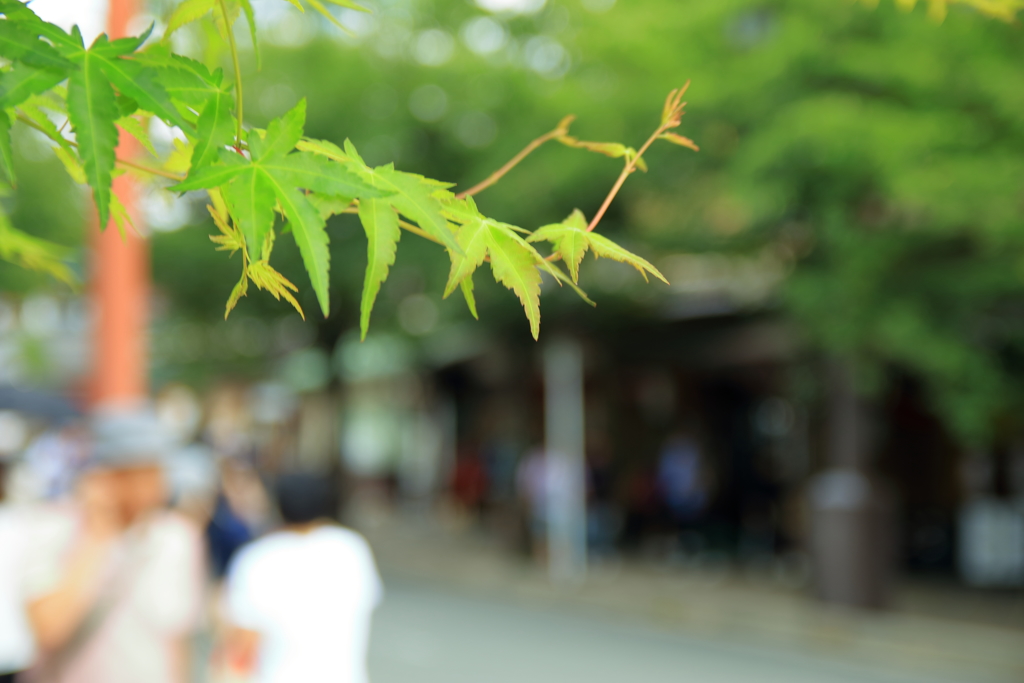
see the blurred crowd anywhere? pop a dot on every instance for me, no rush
(155, 545)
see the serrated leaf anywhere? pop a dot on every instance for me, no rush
(250, 18)
(240, 289)
(326, 14)
(187, 12)
(350, 150)
(413, 196)
(349, 4)
(570, 238)
(180, 157)
(329, 205)
(265, 277)
(33, 253)
(316, 173)
(323, 148)
(186, 80)
(296, 4)
(135, 80)
(309, 231)
(605, 248)
(32, 110)
(21, 82)
(65, 44)
(134, 127)
(214, 130)
(120, 216)
(71, 165)
(467, 292)
(18, 43)
(250, 200)
(515, 267)
(382, 234)
(93, 110)
(282, 134)
(472, 239)
(562, 277)
(230, 166)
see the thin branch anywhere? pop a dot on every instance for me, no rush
(529, 149)
(228, 29)
(671, 117)
(150, 170)
(626, 172)
(417, 230)
(124, 162)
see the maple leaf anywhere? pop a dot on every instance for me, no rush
(572, 240)
(273, 176)
(380, 222)
(515, 263)
(326, 13)
(410, 194)
(31, 252)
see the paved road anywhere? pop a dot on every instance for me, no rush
(424, 635)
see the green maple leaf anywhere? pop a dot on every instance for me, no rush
(33, 253)
(93, 102)
(92, 108)
(380, 222)
(515, 266)
(135, 79)
(326, 13)
(187, 12)
(272, 176)
(214, 129)
(572, 241)
(514, 262)
(22, 82)
(18, 42)
(412, 195)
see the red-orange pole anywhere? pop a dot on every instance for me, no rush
(120, 280)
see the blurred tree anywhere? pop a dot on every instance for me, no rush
(879, 154)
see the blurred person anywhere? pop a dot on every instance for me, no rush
(115, 578)
(532, 484)
(47, 469)
(299, 601)
(241, 512)
(469, 481)
(17, 648)
(602, 511)
(681, 480)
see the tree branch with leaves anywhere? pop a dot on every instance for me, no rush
(264, 183)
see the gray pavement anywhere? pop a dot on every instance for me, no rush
(426, 634)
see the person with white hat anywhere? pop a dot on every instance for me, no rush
(116, 580)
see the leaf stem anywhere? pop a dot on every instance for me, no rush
(124, 162)
(152, 171)
(228, 29)
(526, 151)
(626, 172)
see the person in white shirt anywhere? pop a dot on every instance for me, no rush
(115, 579)
(299, 601)
(17, 649)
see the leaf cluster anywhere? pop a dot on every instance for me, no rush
(265, 183)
